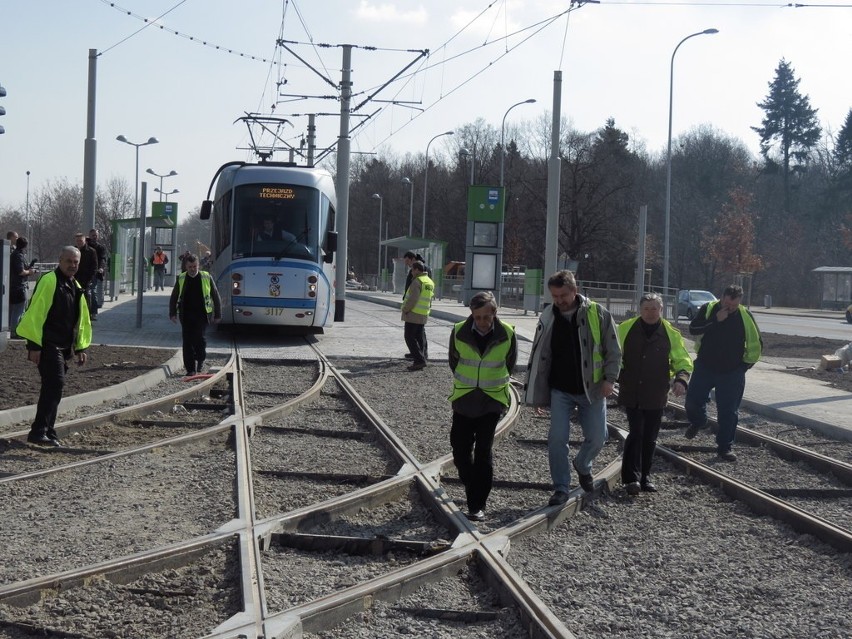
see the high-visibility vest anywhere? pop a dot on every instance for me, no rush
(486, 371)
(597, 350)
(427, 291)
(206, 286)
(31, 325)
(159, 259)
(679, 359)
(752, 347)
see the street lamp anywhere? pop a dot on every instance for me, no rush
(410, 183)
(669, 159)
(378, 197)
(166, 193)
(151, 140)
(161, 176)
(503, 135)
(426, 178)
(28, 207)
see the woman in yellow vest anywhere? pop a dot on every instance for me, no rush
(482, 356)
(652, 353)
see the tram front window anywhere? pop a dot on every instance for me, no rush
(274, 220)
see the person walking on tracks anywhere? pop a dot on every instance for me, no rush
(483, 351)
(416, 306)
(574, 362)
(652, 352)
(728, 343)
(55, 323)
(195, 299)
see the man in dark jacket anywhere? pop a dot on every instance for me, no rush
(482, 355)
(55, 323)
(88, 266)
(728, 343)
(96, 286)
(19, 271)
(195, 299)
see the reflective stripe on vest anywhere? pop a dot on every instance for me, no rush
(427, 291)
(752, 347)
(597, 350)
(487, 372)
(205, 289)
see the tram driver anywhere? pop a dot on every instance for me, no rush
(267, 232)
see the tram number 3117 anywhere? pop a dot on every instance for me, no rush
(275, 312)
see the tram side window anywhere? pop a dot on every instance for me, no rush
(327, 221)
(222, 224)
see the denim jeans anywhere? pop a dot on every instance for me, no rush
(729, 393)
(593, 422)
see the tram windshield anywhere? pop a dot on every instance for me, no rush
(276, 220)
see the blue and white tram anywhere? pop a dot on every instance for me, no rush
(273, 244)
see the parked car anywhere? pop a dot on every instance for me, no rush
(355, 285)
(689, 301)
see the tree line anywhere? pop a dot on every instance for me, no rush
(772, 217)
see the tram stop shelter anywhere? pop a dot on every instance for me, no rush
(431, 250)
(835, 287)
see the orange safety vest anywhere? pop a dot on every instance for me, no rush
(159, 258)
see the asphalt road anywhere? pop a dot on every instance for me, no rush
(829, 328)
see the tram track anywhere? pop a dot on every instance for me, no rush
(330, 471)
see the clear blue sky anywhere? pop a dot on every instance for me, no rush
(614, 57)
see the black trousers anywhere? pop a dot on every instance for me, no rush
(193, 329)
(52, 367)
(471, 439)
(640, 444)
(415, 339)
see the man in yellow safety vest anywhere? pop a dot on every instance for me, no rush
(195, 299)
(416, 306)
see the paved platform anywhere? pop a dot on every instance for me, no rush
(370, 330)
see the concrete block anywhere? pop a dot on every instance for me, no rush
(830, 362)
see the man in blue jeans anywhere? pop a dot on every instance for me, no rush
(728, 343)
(574, 363)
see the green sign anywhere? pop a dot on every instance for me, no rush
(165, 211)
(485, 203)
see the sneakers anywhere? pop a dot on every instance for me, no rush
(587, 482)
(479, 515)
(633, 488)
(727, 456)
(417, 366)
(691, 432)
(558, 498)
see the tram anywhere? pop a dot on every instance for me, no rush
(273, 244)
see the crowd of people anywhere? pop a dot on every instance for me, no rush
(578, 355)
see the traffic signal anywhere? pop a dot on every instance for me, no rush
(2, 109)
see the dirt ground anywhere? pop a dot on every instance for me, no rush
(105, 366)
(108, 365)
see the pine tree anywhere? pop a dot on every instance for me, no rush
(790, 124)
(843, 145)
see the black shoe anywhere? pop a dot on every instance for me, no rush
(558, 498)
(587, 482)
(93, 318)
(691, 432)
(727, 456)
(43, 440)
(479, 515)
(632, 488)
(648, 487)
(189, 373)
(417, 366)
(408, 356)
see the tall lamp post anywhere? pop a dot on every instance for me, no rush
(28, 208)
(141, 251)
(426, 178)
(378, 197)
(669, 158)
(166, 193)
(162, 177)
(503, 135)
(472, 155)
(410, 183)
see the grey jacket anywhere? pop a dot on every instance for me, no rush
(537, 388)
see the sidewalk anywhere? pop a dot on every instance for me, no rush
(803, 401)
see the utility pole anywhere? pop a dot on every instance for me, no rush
(90, 146)
(343, 185)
